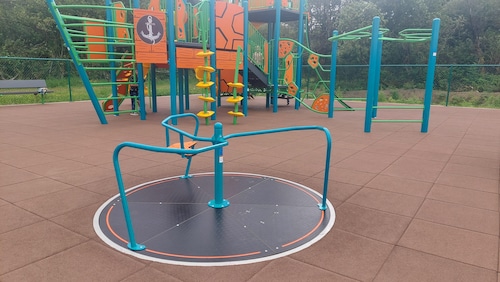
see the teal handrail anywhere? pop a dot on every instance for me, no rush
(218, 141)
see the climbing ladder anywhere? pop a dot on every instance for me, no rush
(97, 47)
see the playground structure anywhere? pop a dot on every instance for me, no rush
(131, 43)
(255, 201)
(210, 38)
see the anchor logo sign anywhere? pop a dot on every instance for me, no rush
(150, 29)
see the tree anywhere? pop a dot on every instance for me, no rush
(355, 15)
(323, 20)
(476, 22)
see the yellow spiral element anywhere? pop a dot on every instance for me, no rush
(236, 114)
(206, 114)
(234, 99)
(204, 54)
(202, 84)
(237, 85)
(206, 99)
(200, 71)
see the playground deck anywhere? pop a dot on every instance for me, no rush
(410, 206)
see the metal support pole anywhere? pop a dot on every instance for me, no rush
(378, 68)
(152, 91)
(181, 90)
(333, 75)
(218, 201)
(186, 87)
(213, 58)
(171, 59)
(276, 35)
(140, 78)
(431, 67)
(245, 57)
(300, 39)
(372, 73)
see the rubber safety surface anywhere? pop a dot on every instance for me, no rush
(267, 218)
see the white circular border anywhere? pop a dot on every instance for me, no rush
(97, 228)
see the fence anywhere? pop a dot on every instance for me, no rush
(57, 72)
(450, 80)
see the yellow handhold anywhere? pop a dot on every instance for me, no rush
(206, 99)
(205, 68)
(206, 114)
(199, 71)
(236, 114)
(202, 84)
(237, 85)
(234, 100)
(204, 54)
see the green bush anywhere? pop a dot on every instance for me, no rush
(395, 95)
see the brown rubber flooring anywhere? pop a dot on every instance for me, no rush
(410, 206)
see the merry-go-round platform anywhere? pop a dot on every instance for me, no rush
(265, 218)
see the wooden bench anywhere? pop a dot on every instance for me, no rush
(19, 87)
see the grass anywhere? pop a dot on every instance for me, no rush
(61, 93)
(416, 96)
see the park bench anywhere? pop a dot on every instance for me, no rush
(19, 87)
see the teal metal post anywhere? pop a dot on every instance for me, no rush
(133, 245)
(300, 39)
(140, 80)
(181, 90)
(140, 83)
(171, 59)
(213, 58)
(376, 87)
(333, 75)
(218, 201)
(269, 63)
(276, 35)
(245, 57)
(186, 88)
(152, 91)
(431, 67)
(372, 73)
